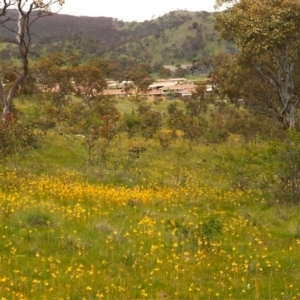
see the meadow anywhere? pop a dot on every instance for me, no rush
(169, 224)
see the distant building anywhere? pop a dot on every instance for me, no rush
(125, 83)
(181, 90)
(115, 93)
(160, 89)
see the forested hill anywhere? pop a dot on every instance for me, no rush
(176, 37)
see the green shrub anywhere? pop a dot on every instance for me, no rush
(16, 138)
(132, 124)
(284, 178)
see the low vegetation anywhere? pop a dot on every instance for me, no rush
(151, 219)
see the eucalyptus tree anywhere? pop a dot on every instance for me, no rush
(18, 16)
(55, 80)
(264, 74)
(89, 83)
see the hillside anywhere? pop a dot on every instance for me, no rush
(174, 38)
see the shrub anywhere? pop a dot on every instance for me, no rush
(15, 138)
(243, 166)
(284, 178)
(150, 123)
(132, 124)
(165, 139)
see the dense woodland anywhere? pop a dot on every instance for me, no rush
(175, 38)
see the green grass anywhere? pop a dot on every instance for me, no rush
(169, 224)
(64, 238)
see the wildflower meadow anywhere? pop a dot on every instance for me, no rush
(65, 238)
(129, 216)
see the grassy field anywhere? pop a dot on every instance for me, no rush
(169, 224)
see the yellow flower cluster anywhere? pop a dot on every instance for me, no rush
(64, 238)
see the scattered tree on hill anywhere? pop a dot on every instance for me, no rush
(27, 12)
(140, 75)
(104, 65)
(181, 72)
(264, 74)
(164, 72)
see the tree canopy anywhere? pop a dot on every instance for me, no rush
(264, 73)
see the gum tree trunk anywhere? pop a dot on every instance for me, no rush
(23, 37)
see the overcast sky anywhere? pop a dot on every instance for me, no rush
(133, 10)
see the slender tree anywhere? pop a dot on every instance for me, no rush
(56, 82)
(19, 21)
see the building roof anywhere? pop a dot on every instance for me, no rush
(171, 79)
(186, 89)
(162, 84)
(188, 86)
(114, 92)
(154, 93)
(186, 92)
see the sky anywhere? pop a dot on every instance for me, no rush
(133, 10)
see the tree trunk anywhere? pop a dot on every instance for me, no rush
(289, 116)
(23, 49)
(6, 113)
(6, 107)
(23, 37)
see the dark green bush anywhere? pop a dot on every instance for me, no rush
(132, 124)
